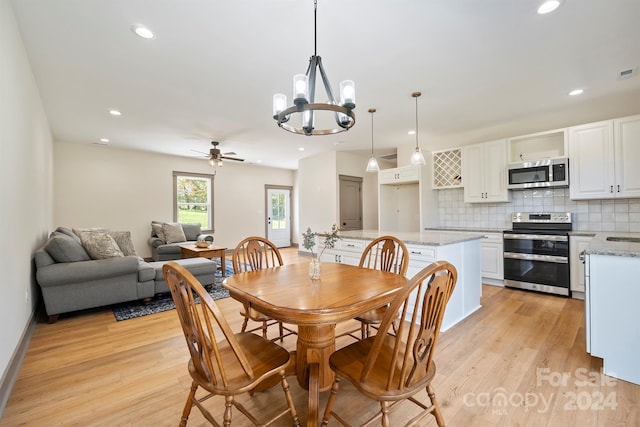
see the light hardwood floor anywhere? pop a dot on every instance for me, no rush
(518, 361)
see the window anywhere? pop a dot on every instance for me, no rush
(278, 207)
(193, 199)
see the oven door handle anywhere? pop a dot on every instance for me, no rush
(551, 237)
(533, 257)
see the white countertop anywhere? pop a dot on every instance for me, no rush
(601, 246)
(427, 238)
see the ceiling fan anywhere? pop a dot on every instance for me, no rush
(215, 156)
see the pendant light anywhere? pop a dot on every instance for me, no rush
(372, 165)
(417, 158)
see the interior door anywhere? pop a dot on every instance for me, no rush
(279, 216)
(350, 202)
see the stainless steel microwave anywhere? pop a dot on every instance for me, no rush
(539, 173)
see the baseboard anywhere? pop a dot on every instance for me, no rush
(11, 374)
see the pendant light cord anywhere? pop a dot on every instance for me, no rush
(417, 121)
(372, 130)
(315, 27)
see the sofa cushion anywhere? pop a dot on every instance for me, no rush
(156, 227)
(100, 245)
(68, 232)
(191, 230)
(173, 232)
(64, 248)
(123, 239)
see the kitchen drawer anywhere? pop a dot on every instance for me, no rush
(351, 245)
(421, 253)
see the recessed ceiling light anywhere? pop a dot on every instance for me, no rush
(549, 6)
(105, 140)
(258, 161)
(576, 92)
(412, 132)
(142, 31)
(301, 149)
(115, 113)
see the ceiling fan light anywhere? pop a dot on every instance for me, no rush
(548, 6)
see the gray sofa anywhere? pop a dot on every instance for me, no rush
(166, 248)
(71, 280)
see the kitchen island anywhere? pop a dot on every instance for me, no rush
(612, 292)
(461, 249)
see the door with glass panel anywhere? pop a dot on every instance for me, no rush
(279, 216)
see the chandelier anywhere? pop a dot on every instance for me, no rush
(304, 106)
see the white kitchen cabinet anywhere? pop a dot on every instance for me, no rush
(484, 172)
(401, 175)
(603, 159)
(577, 244)
(345, 251)
(492, 255)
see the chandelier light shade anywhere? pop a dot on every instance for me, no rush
(372, 165)
(305, 108)
(417, 158)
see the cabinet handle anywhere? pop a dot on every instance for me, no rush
(611, 189)
(351, 245)
(618, 188)
(581, 257)
(416, 252)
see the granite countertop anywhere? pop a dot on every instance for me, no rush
(427, 238)
(467, 229)
(601, 246)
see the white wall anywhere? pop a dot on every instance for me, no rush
(102, 186)
(25, 185)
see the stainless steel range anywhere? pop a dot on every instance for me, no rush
(536, 252)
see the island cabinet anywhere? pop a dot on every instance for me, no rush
(612, 316)
(461, 250)
(603, 159)
(577, 245)
(484, 171)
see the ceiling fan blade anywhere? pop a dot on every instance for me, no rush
(200, 152)
(230, 153)
(232, 158)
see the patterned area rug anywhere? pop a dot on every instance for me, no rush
(133, 309)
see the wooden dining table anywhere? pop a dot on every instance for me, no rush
(288, 294)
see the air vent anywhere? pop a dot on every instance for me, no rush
(627, 74)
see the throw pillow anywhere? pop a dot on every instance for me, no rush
(173, 232)
(191, 230)
(157, 230)
(123, 239)
(79, 231)
(64, 248)
(100, 245)
(68, 232)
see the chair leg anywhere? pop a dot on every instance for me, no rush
(384, 410)
(332, 398)
(228, 406)
(363, 330)
(281, 331)
(436, 407)
(287, 395)
(245, 322)
(264, 329)
(187, 407)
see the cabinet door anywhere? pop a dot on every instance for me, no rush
(627, 154)
(472, 173)
(591, 167)
(492, 256)
(577, 244)
(495, 175)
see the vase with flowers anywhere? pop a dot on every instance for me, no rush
(309, 242)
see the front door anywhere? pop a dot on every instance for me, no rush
(279, 216)
(350, 202)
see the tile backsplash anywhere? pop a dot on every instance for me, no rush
(588, 215)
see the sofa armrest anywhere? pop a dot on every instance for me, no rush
(205, 237)
(154, 242)
(63, 273)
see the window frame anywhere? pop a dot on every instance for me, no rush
(211, 178)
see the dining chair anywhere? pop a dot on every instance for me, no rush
(257, 253)
(233, 365)
(393, 368)
(386, 253)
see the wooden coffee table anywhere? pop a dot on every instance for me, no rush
(192, 251)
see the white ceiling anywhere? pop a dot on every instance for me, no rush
(487, 69)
